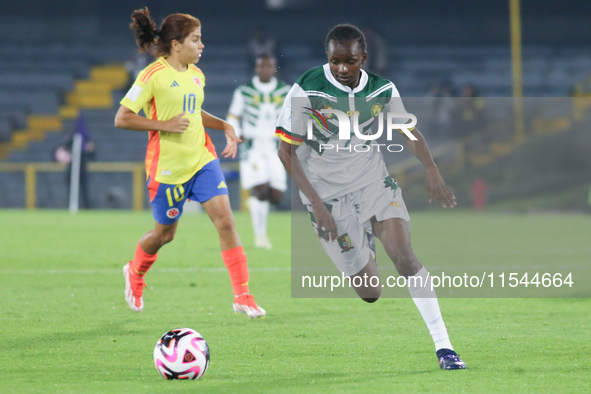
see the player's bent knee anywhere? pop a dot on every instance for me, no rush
(275, 199)
(369, 294)
(167, 237)
(262, 196)
(262, 192)
(370, 300)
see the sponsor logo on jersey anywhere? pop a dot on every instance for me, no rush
(197, 81)
(175, 83)
(173, 213)
(222, 185)
(396, 204)
(345, 243)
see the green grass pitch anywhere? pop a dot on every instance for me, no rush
(66, 328)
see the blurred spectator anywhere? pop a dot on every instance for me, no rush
(136, 63)
(63, 154)
(447, 90)
(260, 43)
(377, 52)
(440, 104)
(469, 112)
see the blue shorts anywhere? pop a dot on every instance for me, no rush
(168, 200)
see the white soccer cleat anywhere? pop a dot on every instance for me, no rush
(262, 241)
(246, 304)
(134, 288)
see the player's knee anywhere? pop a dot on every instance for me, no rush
(166, 237)
(261, 192)
(225, 224)
(370, 294)
(370, 300)
(275, 197)
(262, 195)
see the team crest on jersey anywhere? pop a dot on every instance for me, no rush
(376, 109)
(197, 81)
(328, 116)
(345, 243)
(173, 213)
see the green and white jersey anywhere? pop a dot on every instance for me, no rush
(336, 166)
(255, 108)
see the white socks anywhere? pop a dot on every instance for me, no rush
(259, 210)
(419, 287)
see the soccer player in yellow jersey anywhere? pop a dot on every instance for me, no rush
(181, 161)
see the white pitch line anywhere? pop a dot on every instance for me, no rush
(453, 270)
(118, 271)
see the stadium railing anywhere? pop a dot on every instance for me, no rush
(30, 170)
(136, 169)
(546, 116)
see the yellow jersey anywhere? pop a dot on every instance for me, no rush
(163, 93)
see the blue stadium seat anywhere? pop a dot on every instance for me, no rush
(38, 102)
(27, 80)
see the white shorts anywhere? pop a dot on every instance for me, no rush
(260, 164)
(352, 214)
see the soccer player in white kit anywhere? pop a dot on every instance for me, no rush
(253, 113)
(348, 192)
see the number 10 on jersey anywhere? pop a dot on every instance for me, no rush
(189, 102)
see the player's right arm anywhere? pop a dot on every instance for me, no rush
(141, 93)
(127, 119)
(235, 112)
(293, 166)
(290, 142)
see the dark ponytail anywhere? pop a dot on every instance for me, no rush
(159, 42)
(145, 29)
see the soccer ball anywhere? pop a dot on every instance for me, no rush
(181, 354)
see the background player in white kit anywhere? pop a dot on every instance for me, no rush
(348, 193)
(253, 113)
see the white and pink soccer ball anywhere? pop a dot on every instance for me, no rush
(181, 354)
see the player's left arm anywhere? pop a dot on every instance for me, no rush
(436, 186)
(213, 122)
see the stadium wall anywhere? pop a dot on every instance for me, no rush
(452, 23)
